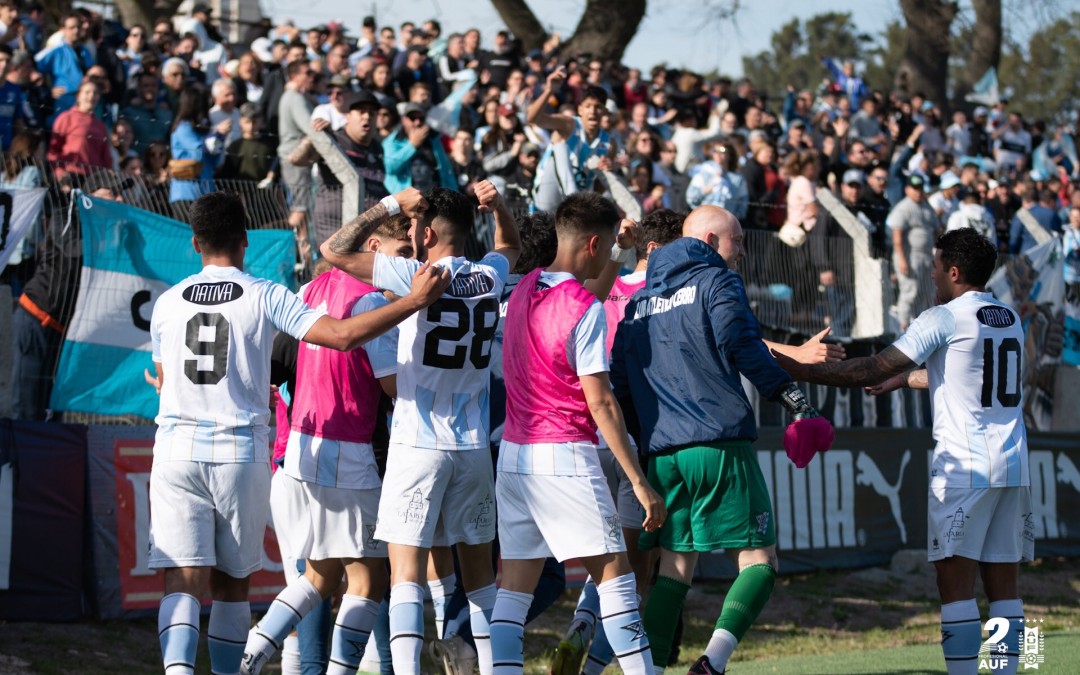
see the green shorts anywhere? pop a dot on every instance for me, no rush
(716, 498)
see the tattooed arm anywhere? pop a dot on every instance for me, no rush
(915, 379)
(345, 248)
(861, 372)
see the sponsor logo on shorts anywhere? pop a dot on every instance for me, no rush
(416, 510)
(483, 519)
(1029, 527)
(956, 527)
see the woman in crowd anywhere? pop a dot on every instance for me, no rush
(249, 79)
(196, 150)
(765, 187)
(502, 144)
(80, 141)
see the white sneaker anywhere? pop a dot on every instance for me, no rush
(456, 656)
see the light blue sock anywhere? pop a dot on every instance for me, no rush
(481, 604)
(623, 625)
(355, 619)
(588, 606)
(1013, 610)
(600, 653)
(178, 632)
(227, 635)
(406, 627)
(291, 605)
(508, 632)
(961, 637)
(441, 590)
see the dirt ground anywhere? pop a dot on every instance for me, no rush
(807, 614)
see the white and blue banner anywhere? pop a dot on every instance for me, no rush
(19, 210)
(131, 257)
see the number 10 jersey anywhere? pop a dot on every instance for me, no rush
(444, 353)
(973, 348)
(212, 334)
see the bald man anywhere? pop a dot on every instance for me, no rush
(690, 330)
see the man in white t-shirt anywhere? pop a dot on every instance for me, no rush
(439, 484)
(979, 517)
(211, 336)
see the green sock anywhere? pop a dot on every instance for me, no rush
(745, 599)
(662, 615)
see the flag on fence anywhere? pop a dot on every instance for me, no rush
(131, 257)
(19, 209)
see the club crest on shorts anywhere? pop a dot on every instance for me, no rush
(956, 527)
(371, 540)
(613, 524)
(484, 517)
(762, 522)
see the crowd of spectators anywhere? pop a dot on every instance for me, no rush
(175, 108)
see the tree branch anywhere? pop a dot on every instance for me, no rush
(520, 20)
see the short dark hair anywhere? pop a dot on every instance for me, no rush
(586, 213)
(538, 242)
(662, 226)
(453, 208)
(969, 252)
(394, 227)
(294, 67)
(594, 92)
(218, 221)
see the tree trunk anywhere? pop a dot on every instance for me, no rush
(985, 48)
(144, 12)
(605, 29)
(925, 67)
(521, 21)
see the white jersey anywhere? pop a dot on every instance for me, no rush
(212, 335)
(444, 352)
(973, 348)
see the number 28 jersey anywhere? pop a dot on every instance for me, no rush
(973, 348)
(444, 352)
(212, 334)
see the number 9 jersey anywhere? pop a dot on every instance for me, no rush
(973, 348)
(212, 334)
(444, 352)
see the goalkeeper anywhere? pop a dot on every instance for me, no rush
(678, 355)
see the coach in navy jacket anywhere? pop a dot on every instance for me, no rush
(683, 375)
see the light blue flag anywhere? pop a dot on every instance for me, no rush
(131, 257)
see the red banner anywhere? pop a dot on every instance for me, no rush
(140, 586)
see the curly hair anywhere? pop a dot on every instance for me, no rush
(454, 210)
(662, 226)
(538, 242)
(969, 252)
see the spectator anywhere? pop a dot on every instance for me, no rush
(500, 60)
(1020, 237)
(150, 116)
(717, 181)
(946, 200)
(873, 209)
(335, 110)
(382, 85)
(689, 140)
(223, 92)
(518, 191)
(501, 146)
(196, 150)
(1070, 249)
(270, 101)
(466, 167)
(249, 157)
(32, 19)
(765, 187)
(851, 84)
(1012, 147)
(415, 157)
(14, 109)
(974, 215)
(80, 141)
(248, 82)
(865, 125)
(121, 140)
(22, 169)
(416, 68)
(64, 64)
(174, 75)
(958, 135)
(130, 55)
(914, 228)
(294, 121)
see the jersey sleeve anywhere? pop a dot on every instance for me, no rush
(155, 337)
(499, 263)
(589, 355)
(927, 333)
(394, 273)
(381, 351)
(287, 312)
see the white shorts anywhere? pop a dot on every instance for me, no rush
(325, 523)
(291, 533)
(991, 525)
(204, 514)
(437, 497)
(631, 515)
(561, 516)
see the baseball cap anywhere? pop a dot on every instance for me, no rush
(507, 110)
(854, 176)
(535, 54)
(530, 148)
(339, 81)
(412, 109)
(949, 180)
(366, 99)
(981, 111)
(916, 181)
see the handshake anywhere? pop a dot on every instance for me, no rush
(810, 433)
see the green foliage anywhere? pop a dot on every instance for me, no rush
(1043, 75)
(884, 56)
(796, 48)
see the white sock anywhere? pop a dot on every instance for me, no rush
(178, 632)
(1013, 610)
(721, 645)
(291, 605)
(961, 637)
(623, 626)
(352, 631)
(290, 656)
(508, 632)
(406, 627)
(481, 604)
(226, 636)
(441, 590)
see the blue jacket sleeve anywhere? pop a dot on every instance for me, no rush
(620, 382)
(738, 337)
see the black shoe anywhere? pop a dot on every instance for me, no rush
(703, 667)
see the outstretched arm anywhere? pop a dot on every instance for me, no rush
(536, 115)
(507, 235)
(861, 372)
(342, 249)
(811, 351)
(915, 379)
